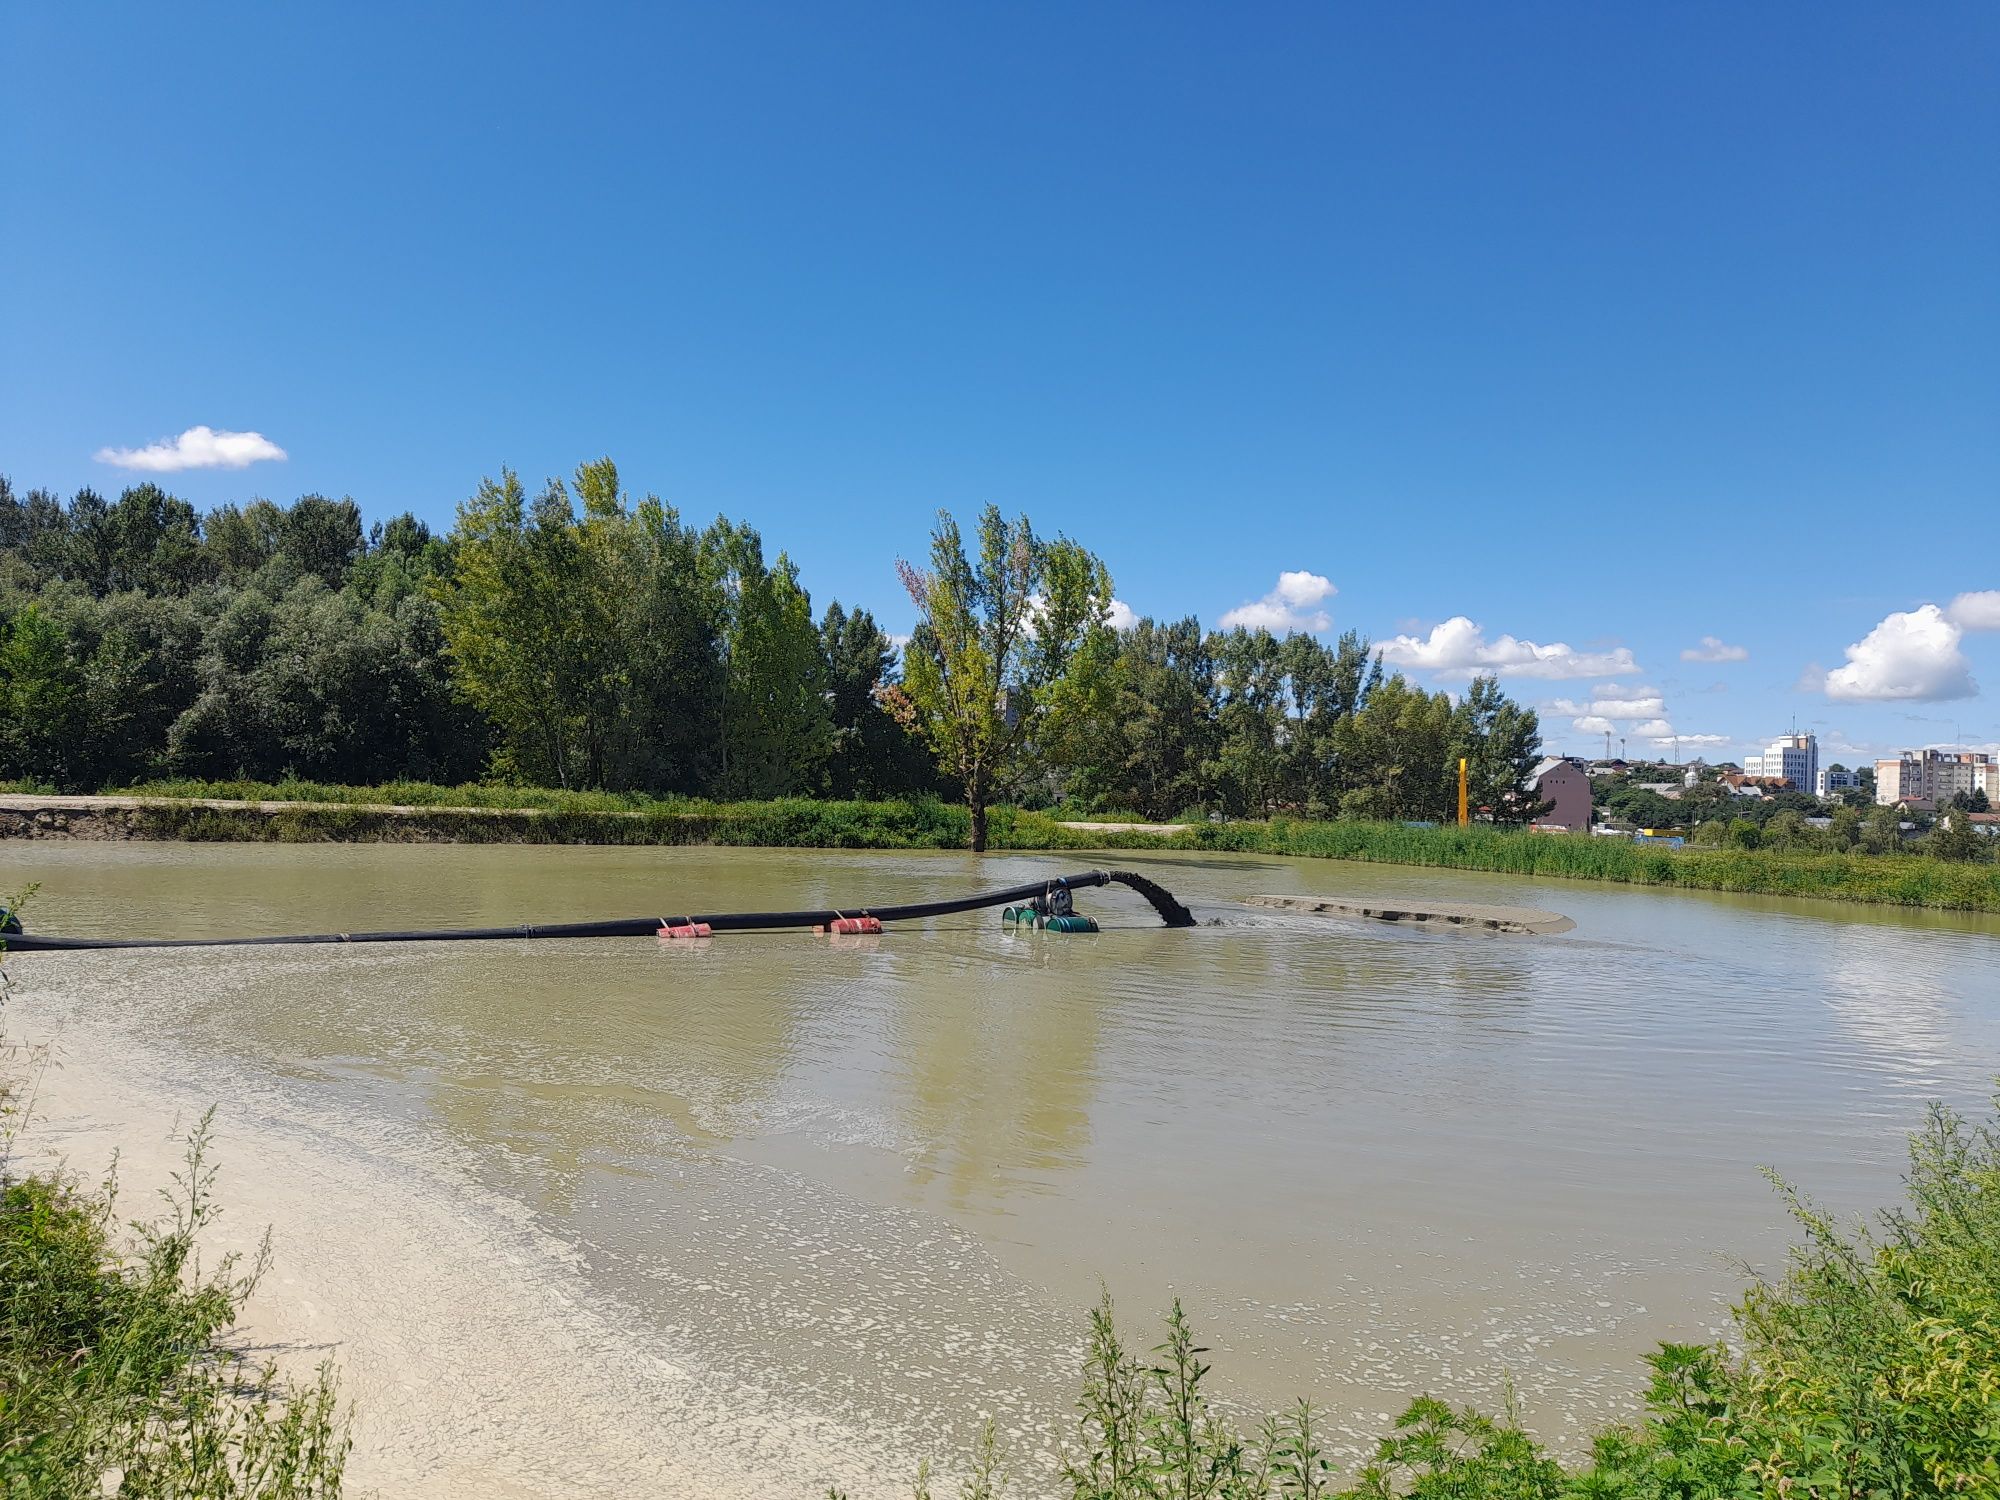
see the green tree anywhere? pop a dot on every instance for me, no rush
(33, 528)
(529, 625)
(402, 558)
(1250, 713)
(1399, 750)
(90, 556)
(1882, 830)
(151, 542)
(239, 542)
(871, 754)
(1501, 742)
(777, 731)
(321, 537)
(1153, 748)
(1956, 837)
(1845, 831)
(1787, 829)
(995, 645)
(671, 610)
(1705, 799)
(41, 700)
(1643, 808)
(1324, 688)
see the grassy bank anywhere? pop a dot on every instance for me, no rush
(488, 814)
(1886, 879)
(559, 819)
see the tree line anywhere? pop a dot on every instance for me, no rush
(580, 637)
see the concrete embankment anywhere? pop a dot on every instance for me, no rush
(48, 816)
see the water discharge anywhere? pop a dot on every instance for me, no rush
(877, 1179)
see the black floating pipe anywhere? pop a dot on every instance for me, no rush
(1171, 912)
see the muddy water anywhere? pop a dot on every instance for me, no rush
(879, 1178)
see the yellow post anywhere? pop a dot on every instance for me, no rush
(1462, 818)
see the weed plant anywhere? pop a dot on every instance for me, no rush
(118, 1377)
(1870, 1370)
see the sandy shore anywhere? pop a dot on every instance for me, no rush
(473, 1356)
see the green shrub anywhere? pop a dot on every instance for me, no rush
(115, 1374)
(1870, 1369)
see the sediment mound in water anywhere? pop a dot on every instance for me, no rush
(1515, 920)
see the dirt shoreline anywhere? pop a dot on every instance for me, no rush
(474, 1360)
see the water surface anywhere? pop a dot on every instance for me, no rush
(883, 1176)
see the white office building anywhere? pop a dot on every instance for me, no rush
(1833, 783)
(1795, 757)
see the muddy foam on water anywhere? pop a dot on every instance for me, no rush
(474, 1352)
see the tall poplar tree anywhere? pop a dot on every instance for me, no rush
(997, 643)
(777, 730)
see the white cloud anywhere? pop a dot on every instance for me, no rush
(197, 448)
(1976, 611)
(1460, 647)
(1646, 703)
(1292, 605)
(1654, 730)
(1629, 708)
(1912, 656)
(1117, 614)
(1658, 730)
(1712, 649)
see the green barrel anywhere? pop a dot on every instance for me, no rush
(1072, 924)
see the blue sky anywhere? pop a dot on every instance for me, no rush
(1612, 329)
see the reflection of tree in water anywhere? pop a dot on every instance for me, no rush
(1002, 1068)
(603, 1063)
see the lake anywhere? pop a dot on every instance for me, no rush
(881, 1179)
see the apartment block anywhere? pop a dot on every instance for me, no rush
(1936, 776)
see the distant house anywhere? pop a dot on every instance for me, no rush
(1754, 786)
(1566, 788)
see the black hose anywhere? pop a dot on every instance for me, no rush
(1171, 912)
